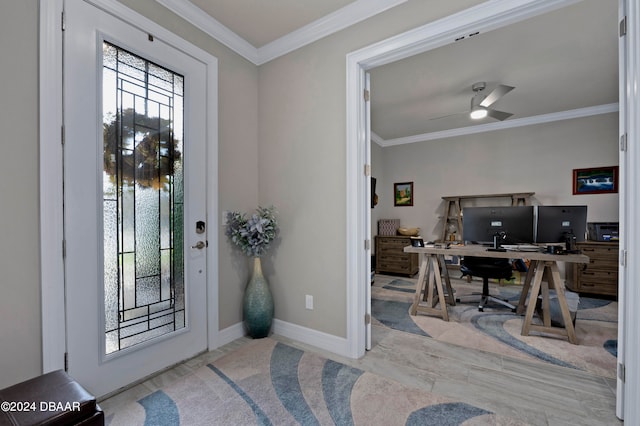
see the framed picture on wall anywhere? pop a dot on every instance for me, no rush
(595, 180)
(403, 194)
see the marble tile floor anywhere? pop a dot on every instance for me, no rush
(533, 392)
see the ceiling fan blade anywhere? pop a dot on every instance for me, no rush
(496, 94)
(498, 115)
(448, 115)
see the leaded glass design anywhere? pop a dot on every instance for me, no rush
(142, 199)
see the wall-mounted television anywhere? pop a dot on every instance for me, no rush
(513, 224)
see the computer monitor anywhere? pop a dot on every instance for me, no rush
(513, 225)
(555, 223)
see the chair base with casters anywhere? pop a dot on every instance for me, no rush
(486, 268)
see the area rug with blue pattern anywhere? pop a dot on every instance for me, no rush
(497, 329)
(266, 382)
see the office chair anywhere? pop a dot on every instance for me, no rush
(485, 268)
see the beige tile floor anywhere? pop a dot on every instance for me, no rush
(536, 393)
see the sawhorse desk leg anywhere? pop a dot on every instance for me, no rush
(554, 279)
(430, 265)
(526, 286)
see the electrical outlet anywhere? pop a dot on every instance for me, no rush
(308, 303)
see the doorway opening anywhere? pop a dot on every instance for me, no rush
(425, 38)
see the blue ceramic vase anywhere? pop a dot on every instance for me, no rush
(258, 304)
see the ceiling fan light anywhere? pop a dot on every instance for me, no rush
(478, 113)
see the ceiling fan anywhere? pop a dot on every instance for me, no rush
(480, 102)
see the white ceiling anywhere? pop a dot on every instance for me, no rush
(260, 22)
(563, 60)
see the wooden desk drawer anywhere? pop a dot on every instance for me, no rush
(600, 247)
(600, 264)
(394, 243)
(598, 276)
(598, 282)
(383, 249)
(603, 253)
(589, 285)
(402, 268)
(396, 258)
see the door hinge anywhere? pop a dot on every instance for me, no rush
(64, 249)
(367, 170)
(623, 27)
(623, 142)
(66, 361)
(367, 244)
(367, 319)
(366, 95)
(62, 21)
(62, 135)
(623, 257)
(622, 372)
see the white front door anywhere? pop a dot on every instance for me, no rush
(135, 113)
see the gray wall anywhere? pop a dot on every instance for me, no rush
(302, 146)
(20, 335)
(538, 159)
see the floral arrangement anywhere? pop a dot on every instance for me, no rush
(253, 235)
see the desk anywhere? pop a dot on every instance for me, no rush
(431, 259)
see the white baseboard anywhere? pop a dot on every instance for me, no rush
(328, 342)
(229, 334)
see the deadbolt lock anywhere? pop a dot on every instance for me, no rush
(200, 227)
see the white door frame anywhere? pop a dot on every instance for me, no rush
(51, 173)
(629, 291)
(623, 218)
(368, 202)
(484, 17)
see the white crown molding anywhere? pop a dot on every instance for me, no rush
(195, 16)
(509, 124)
(340, 19)
(483, 17)
(377, 139)
(327, 25)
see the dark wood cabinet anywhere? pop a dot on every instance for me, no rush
(390, 257)
(600, 275)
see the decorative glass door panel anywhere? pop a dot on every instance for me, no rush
(143, 198)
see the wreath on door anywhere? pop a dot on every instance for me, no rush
(141, 150)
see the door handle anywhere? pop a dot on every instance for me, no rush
(199, 245)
